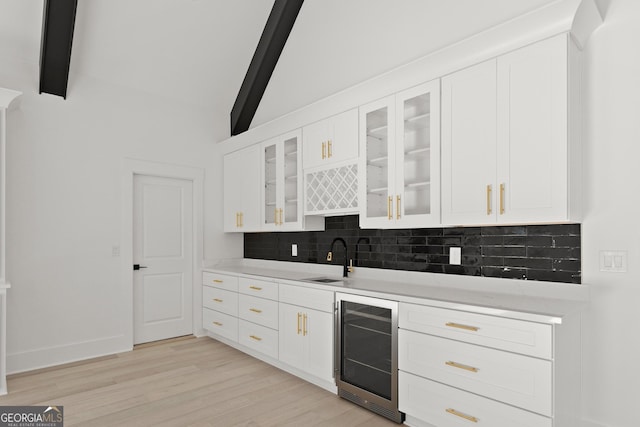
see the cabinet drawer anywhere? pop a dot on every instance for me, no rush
(534, 339)
(521, 381)
(258, 310)
(220, 300)
(220, 324)
(222, 281)
(259, 288)
(307, 297)
(441, 405)
(259, 338)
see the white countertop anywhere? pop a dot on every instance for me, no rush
(519, 299)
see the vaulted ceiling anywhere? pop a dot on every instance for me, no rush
(197, 51)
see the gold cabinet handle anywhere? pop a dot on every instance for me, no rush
(329, 149)
(217, 281)
(299, 330)
(489, 199)
(461, 415)
(217, 300)
(241, 219)
(304, 324)
(502, 199)
(324, 156)
(281, 216)
(398, 207)
(217, 323)
(461, 366)
(389, 208)
(461, 326)
(255, 288)
(253, 337)
(255, 310)
(237, 219)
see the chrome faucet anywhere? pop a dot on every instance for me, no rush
(347, 269)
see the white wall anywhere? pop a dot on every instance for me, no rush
(612, 207)
(64, 207)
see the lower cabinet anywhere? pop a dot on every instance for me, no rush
(445, 406)
(306, 340)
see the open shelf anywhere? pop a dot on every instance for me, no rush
(416, 151)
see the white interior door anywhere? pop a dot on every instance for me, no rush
(163, 249)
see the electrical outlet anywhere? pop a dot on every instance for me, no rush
(294, 249)
(455, 256)
(115, 251)
(613, 261)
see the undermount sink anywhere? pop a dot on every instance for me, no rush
(323, 280)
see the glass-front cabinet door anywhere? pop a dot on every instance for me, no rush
(282, 179)
(400, 162)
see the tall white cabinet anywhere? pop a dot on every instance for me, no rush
(399, 168)
(6, 98)
(508, 153)
(242, 190)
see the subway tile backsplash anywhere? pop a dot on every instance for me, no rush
(528, 252)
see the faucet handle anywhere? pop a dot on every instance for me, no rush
(350, 268)
(330, 256)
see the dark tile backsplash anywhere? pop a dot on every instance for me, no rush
(528, 252)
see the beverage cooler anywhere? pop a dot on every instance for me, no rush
(367, 353)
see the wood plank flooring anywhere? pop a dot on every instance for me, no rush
(184, 382)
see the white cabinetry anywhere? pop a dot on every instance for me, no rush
(258, 313)
(331, 140)
(330, 165)
(242, 190)
(306, 330)
(399, 167)
(458, 367)
(6, 98)
(220, 304)
(507, 153)
(281, 196)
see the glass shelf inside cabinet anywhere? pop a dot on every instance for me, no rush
(417, 155)
(377, 161)
(269, 183)
(291, 179)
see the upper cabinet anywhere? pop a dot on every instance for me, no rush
(282, 190)
(331, 140)
(242, 190)
(507, 153)
(399, 168)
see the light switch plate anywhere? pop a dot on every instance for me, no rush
(455, 256)
(294, 249)
(613, 261)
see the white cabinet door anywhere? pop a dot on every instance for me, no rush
(399, 167)
(376, 167)
(241, 190)
(469, 145)
(306, 340)
(282, 183)
(532, 133)
(331, 140)
(417, 159)
(292, 342)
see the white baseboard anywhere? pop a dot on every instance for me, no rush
(58, 355)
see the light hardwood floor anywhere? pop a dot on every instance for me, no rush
(183, 382)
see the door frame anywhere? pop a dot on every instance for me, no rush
(131, 167)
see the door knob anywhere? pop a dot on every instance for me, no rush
(138, 266)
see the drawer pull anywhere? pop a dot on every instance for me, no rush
(461, 415)
(255, 288)
(253, 337)
(255, 310)
(217, 323)
(217, 300)
(461, 326)
(461, 366)
(217, 281)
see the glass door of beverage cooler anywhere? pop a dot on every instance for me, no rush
(366, 358)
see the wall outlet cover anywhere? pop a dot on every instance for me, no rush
(294, 249)
(455, 256)
(613, 261)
